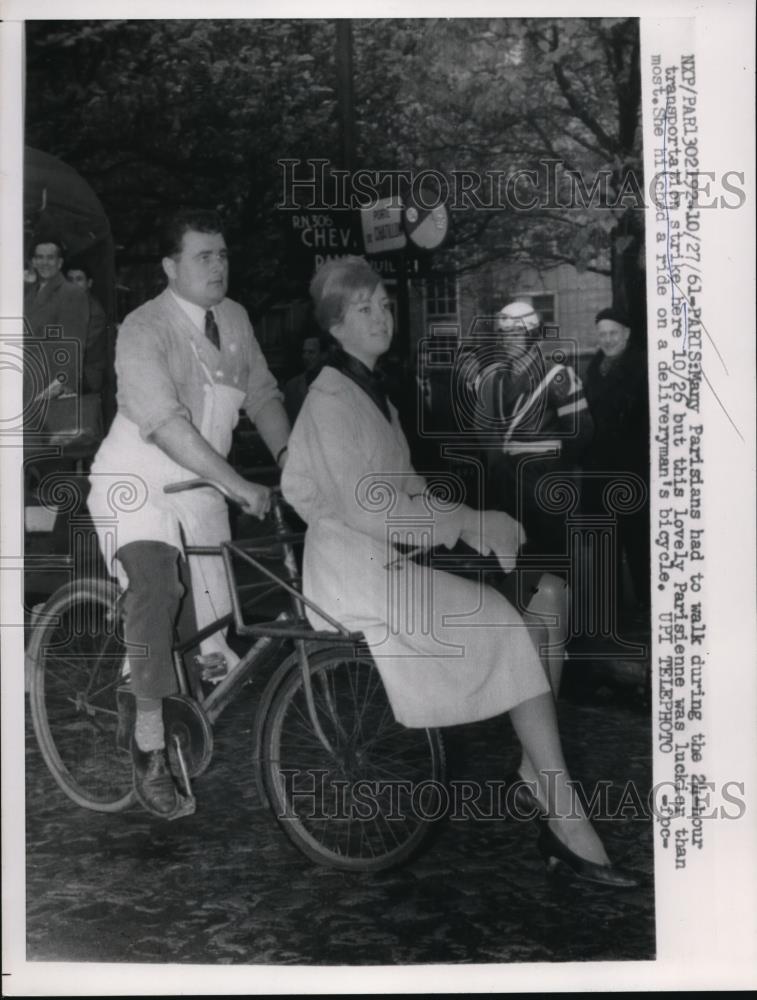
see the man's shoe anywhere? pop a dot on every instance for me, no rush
(153, 782)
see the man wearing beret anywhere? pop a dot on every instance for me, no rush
(617, 392)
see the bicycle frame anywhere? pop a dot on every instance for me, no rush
(287, 625)
(323, 682)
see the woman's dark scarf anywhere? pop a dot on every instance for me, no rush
(371, 382)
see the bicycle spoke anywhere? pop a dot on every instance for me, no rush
(347, 813)
(76, 673)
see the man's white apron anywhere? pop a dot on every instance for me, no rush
(135, 508)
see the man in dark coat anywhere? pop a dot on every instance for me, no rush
(297, 387)
(95, 353)
(617, 392)
(64, 347)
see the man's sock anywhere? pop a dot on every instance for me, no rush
(149, 733)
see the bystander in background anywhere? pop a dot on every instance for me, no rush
(95, 350)
(536, 426)
(65, 351)
(617, 394)
(296, 388)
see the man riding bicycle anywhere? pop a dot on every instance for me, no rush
(187, 361)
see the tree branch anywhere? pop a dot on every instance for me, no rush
(575, 105)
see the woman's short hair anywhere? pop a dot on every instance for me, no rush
(334, 285)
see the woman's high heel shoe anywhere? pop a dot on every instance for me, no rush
(554, 852)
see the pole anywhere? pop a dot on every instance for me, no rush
(402, 335)
(345, 92)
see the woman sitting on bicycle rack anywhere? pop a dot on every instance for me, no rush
(449, 650)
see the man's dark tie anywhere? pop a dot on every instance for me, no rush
(211, 329)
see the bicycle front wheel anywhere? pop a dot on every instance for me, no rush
(372, 801)
(77, 655)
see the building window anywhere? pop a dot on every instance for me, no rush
(441, 297)
(545, 304)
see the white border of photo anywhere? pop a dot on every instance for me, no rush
(707, 914)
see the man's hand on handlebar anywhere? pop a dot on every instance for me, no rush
(253, 498)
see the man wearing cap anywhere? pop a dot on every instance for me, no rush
(534, 424)
(186, 362)
(617, 393)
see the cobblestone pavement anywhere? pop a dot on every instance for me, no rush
(225, 885)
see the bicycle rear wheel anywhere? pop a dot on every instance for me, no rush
(372, 803)
(77, 656)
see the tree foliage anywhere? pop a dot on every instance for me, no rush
(558, 98)
(156, 114)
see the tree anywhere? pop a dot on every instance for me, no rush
(559, 99)
(155, 114)
(161, 114)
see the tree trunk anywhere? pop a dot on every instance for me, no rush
(629, 274)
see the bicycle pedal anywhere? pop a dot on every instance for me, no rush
(213, 667)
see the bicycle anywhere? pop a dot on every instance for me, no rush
(330, 760)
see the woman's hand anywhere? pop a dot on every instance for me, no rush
(498, 533)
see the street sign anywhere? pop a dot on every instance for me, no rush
(315, 237)
(382, 226)
(426, 228)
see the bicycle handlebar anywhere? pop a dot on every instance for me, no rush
(195, 484)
